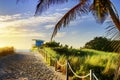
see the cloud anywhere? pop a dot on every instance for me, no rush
(74, 32)
(9, 18)
(49, 26)
(64, 9)
(31, 26)
(60, 34)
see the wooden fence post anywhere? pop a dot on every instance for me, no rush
(55, 64)
(91, 75)
(67, 69)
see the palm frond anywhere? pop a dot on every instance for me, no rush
(113, 33)
(114, 15)
(115, 45)
(99, 10)
(44, 5)
(78, 10)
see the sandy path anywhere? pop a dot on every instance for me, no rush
(25, 66)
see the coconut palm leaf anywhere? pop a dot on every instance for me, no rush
(99, 10)
(78, 10)
(113, 14)
(113, 33)
(44, 5)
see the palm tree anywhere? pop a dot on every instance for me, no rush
(100, 9)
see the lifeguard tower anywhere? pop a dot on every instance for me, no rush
(38, 42)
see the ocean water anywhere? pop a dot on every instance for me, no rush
(22, 50)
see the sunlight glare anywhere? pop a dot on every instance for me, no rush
(2, 45)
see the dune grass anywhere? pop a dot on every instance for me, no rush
(51, 52)
(6, 51)
(102, 63)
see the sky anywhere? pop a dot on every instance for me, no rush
(18, 25)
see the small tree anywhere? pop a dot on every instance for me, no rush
(99, 43)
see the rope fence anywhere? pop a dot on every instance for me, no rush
(61, 64)
(76, 74)
(95, 76)
(67, 64)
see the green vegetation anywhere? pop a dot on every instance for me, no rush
(6, 51)
(82, 60)
(103, 44)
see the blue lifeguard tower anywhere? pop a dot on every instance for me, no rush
(38, 42)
